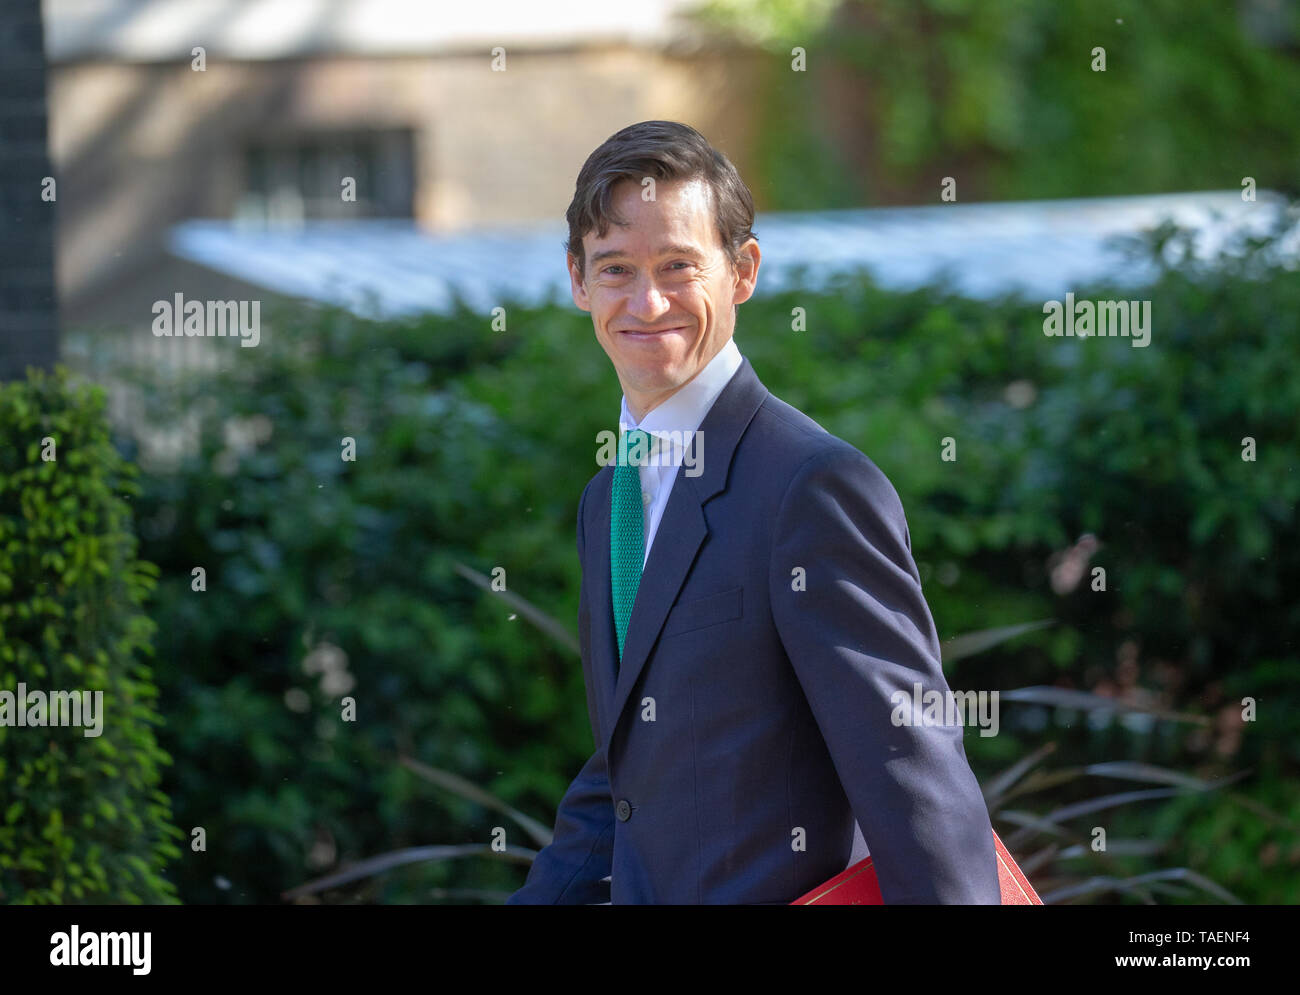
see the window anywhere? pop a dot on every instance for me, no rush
(301, 176)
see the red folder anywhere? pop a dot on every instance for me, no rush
(858, 885)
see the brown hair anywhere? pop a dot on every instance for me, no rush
(666, 150)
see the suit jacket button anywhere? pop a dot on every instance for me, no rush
(623, 810)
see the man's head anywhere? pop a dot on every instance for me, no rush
(660, 252)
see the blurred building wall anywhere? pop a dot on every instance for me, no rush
(139, 145)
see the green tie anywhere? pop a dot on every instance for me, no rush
(627, 528)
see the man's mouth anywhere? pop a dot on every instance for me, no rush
(655, 333)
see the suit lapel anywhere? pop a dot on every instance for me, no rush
(681, 532)
(604, 645)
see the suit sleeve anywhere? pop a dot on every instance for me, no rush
(859, 633)
(574, 869)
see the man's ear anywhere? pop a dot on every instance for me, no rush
(746, 271)
(576, 283)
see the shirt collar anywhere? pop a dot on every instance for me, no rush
(680, 416)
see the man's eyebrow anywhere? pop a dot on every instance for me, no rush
(665, 250)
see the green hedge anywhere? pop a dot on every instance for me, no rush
(328, 578)
(81, 816)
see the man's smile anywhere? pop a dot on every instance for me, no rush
(653, 335)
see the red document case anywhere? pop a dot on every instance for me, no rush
(858, 886)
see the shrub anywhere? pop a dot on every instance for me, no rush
(81, 817)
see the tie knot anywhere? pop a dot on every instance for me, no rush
(634, 448)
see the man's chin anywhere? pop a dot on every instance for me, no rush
(657, 380)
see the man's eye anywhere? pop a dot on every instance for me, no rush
(609, 269)
(681, 262)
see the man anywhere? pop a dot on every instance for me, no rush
(749, 601)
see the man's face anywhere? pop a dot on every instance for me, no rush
(661, 290)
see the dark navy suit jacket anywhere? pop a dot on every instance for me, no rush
(749, 722)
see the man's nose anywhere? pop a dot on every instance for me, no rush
(647, 302)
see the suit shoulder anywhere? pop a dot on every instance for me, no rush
(787, 420)
(810, 449)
